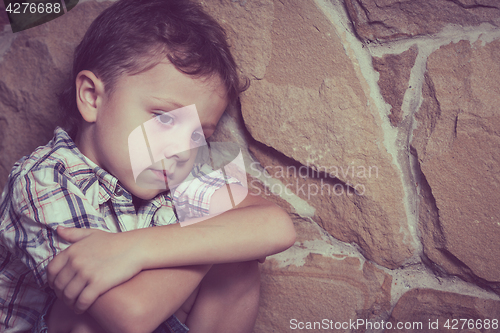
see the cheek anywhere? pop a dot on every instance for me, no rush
(138, 151)
(158, 137)
(188, 167)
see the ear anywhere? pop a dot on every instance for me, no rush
(89, 95)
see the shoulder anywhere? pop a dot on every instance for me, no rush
(53, 166)
(60, 154)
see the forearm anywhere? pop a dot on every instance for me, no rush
(241, 234)
(99, 261)
(147, 300)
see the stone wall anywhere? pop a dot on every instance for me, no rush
(374, 123)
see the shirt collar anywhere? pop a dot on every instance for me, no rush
(108, 184)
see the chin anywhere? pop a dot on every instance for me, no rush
(146, 194)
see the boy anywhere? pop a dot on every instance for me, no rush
(139, 60)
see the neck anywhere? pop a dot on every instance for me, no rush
(83, 141)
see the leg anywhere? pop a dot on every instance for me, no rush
(227, 300)
(62, 319)
(138, 305)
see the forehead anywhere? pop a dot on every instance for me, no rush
(164, 76)
(164, 86)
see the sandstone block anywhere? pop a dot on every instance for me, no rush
(308, 104)
(336, 289)
(394, 72)
(458, 146)
(431, 307)
(342, 209)
(385, 20)
(4, 19)
(33, 71)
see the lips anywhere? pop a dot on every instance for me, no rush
(162, 174)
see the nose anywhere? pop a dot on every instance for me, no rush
(178, 149)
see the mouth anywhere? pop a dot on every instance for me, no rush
(162, 175)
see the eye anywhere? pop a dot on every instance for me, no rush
(197, 137)
(164, 118)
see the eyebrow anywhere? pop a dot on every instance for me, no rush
(168, 101)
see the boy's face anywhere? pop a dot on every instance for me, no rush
(169, 115)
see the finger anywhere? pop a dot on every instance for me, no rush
(63, 279)
(55, 266)
(73, 290)
(86, 298)
(74, 235)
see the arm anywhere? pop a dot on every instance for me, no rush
(147, 300)
(39, 201)
(255, 229)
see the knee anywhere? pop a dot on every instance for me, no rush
(249, 287)
(248, 272)
(243, 285)
(237, 278)
(62, 319)
(87, 328)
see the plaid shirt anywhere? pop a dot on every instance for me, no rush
(57, 185)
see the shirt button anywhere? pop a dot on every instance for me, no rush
(118, 191)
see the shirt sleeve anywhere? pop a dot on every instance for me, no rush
(192, 197)
(42, 200)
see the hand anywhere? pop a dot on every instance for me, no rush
(96, 262)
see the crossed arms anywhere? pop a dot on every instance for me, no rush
(139, 278)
